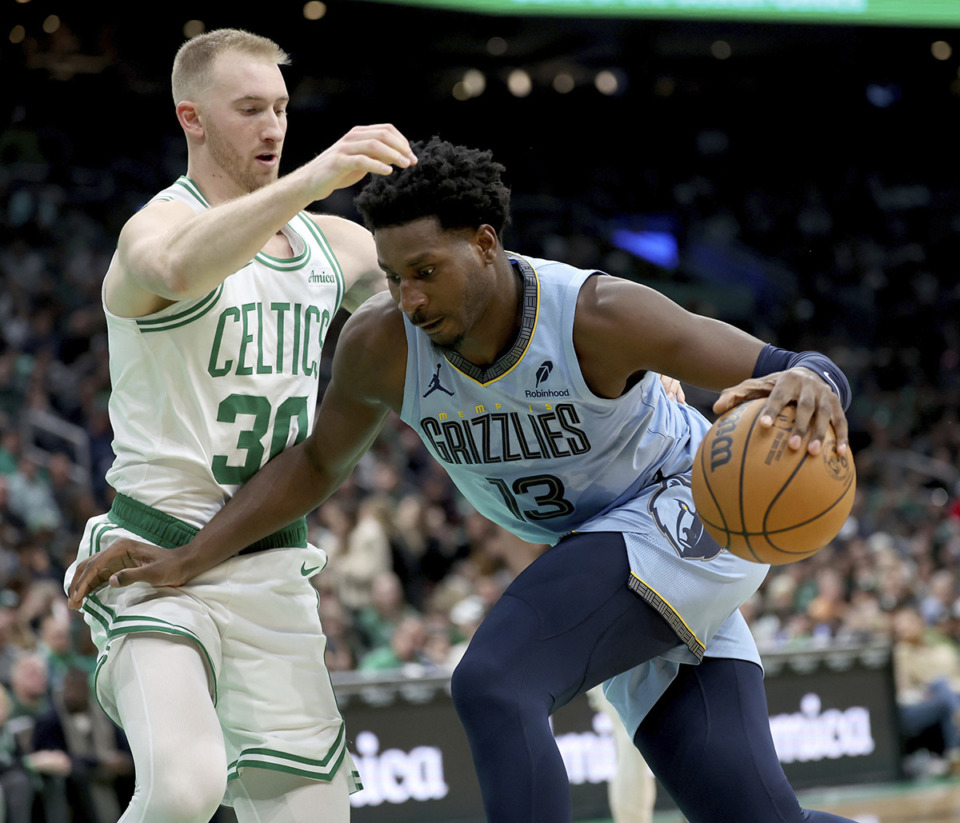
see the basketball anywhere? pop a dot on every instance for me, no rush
(763, 501)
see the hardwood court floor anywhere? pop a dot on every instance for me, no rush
(928, 801)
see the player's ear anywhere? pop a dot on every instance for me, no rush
(188, 113)
(487, 241)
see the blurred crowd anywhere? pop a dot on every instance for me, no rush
(854, 258)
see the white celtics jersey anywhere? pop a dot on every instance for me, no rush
(526, 441)
(206, 391)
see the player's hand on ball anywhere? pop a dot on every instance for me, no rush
(125, 562)
(818, 407)
(763, 501)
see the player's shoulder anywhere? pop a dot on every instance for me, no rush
(612, 317)
(372, 346)
(155, 215)
(376, 321)
(381, 308)
(605, 296)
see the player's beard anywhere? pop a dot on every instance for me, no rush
(226, 156)
(473, 303)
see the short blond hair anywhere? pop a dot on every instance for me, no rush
(191, 66)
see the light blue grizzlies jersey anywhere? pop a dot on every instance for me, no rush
(526, 441)
(534, 450)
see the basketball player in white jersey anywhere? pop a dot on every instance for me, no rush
(217, 302)
(535, 385)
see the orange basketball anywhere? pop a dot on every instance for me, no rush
(762, 500)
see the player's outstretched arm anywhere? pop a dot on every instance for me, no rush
(367, 383)
(622, 328)
(171, 252)
(165, 567)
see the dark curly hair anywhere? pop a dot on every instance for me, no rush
(459, 186)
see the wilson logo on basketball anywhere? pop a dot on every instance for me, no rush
(721, 447)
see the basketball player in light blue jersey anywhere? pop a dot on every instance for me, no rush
(217, 304)
(536, 386)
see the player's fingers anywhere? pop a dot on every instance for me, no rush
(96, 571)
(386, 132)
(155, 570)
(383, 143)
(90, 579)
(87, 579)
(785, 393)
(726, 401)
(807, 424)
(125, 577)
(346, 163)
(393, 138)
(741, 393)
(842, 431)
(814, 404)
(75, 581)
(672, 388)
(385, 154)
(820, 423)
(352, 164)
(152, 564)
(829, 414)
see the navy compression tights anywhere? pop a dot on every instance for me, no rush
(569, 622)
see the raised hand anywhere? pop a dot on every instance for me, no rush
(361, 151)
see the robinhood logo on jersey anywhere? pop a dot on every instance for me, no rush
(543, 373)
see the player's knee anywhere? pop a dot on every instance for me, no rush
(185, 807)
(188, 793)
(478, 683)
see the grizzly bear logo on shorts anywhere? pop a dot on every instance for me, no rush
(672, 509)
